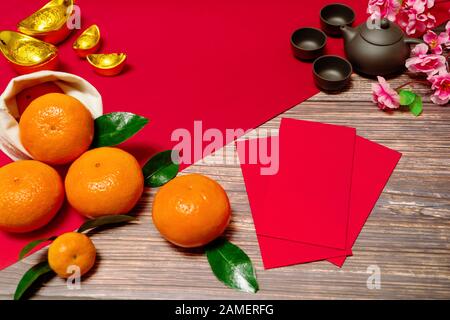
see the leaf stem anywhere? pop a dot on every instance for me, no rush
(411, 82)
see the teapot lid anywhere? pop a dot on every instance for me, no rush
(385, 34)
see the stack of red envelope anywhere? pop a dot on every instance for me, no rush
(314, 207)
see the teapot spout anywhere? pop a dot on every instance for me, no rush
(413, 41)
(348, 33)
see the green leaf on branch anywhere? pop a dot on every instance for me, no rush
(160, 169)
(232, 266)
(30, 277)
(32, 245)
(105, 221)
(114, 128)
(416, 107)
(406, 97)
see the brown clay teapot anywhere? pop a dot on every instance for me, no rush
(377, 50)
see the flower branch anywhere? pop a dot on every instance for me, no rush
(429, 59)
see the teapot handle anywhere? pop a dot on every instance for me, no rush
(413, 41)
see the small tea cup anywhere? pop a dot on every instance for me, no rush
(308, 43)
(332, 73)
(335, 15)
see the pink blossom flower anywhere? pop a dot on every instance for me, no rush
(421, 61)
(435, 42)
(447, 29)
(420, 50)
(419, 5)
(384, 96)
(413, 22)
(440, 83)
(379, 9)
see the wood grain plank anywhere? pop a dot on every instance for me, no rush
(406, 235)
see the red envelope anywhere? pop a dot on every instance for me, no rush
(373, 165)
(275, 252)
(308, 200)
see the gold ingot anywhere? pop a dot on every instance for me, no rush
(49, 23)
(109, 64)
(27, 54)
(88, 42)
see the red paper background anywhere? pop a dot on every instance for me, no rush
(227, 63)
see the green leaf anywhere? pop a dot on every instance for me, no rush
(160, 169)
(114, 128)
(232, 266)
(104, 221)
(32, 245)
(30, 277)
(416, 107)
(406, 97)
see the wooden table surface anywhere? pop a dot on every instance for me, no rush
(407, 235)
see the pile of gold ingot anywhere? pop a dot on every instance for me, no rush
(33, 47)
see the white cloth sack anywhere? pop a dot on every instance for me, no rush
(72, 85)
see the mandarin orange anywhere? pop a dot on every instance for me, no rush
(31, 193)
(191, 210)
(26, 96)
(56, 128)
(104, 181)
(71, 252)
